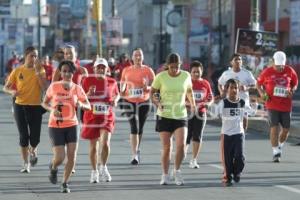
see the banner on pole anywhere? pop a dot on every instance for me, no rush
(114, 31)
(97, 10)
(257, 43)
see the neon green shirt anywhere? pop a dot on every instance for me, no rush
(173, 94)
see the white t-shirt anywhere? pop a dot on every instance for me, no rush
(232, 114)
(245, 78)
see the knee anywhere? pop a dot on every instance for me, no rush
(180, 147)
(59, 158)
(197, 138)
(105, 144)
(34, 142)
(166, 148)
(23, 140)
(71, 158)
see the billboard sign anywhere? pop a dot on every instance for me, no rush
(256, 43)
(295, 22)
(114, 31)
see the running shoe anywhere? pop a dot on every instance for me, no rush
(94, 176)
(237, 178)
(33, 160)
(276, 158)
(25, 168)
(135, 160)
(178, 177)
(194, 164)
(165, 179)
(65, 188)
(53, 174)
(227, 183)
(105, 175)
(138, 153)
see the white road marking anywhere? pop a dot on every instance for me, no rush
(216, 166)
(288, 188)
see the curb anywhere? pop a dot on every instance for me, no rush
(262, 126)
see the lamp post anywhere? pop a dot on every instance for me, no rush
(254, 20)
(39, 26)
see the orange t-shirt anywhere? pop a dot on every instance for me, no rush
(135, 78)
(64, 101)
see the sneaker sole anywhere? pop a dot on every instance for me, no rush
(33, 161)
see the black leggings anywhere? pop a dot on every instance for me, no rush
(136, 113)
(29, 121)
(196, 126)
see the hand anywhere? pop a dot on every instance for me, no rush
(290, 93)
(243, 88)
(223, 95)
(14, 93)
(37, 65)
(78, 104)
(91, 91)
(160, 107)
(57, 113)
(193, 109)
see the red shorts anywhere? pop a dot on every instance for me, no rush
(91, 129)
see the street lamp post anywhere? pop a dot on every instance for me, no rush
(39, 26)
(160, 32)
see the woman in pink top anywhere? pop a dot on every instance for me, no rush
(135, 90)
(61, 100)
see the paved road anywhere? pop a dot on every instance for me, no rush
(261, 178)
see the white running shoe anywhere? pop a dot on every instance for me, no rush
(178, 177)
(165, 179)
(94, 176)
(194, 164)
(105, 175)
(25, 168)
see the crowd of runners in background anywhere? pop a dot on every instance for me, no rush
(89, 93)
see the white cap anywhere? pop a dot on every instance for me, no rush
(100, 61)
(111, 60)
(279, 58)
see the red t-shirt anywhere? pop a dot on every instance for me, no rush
(77, 75)
(202, 93)
(118, 70)
(49, 71)
(276, 85)
(89, 67)
(106, 91)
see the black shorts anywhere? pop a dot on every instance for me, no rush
(63, 136)
(278, 117)
(137, 114)
(196, 124)
(169, 125)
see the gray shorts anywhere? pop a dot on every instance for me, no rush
(63, 136)
(278, 117)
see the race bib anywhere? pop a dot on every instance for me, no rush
(100, 109)
(198, 95)
(136, 93)
(280, 91)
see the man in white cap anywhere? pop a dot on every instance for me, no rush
(276, 86)
(98, 123)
